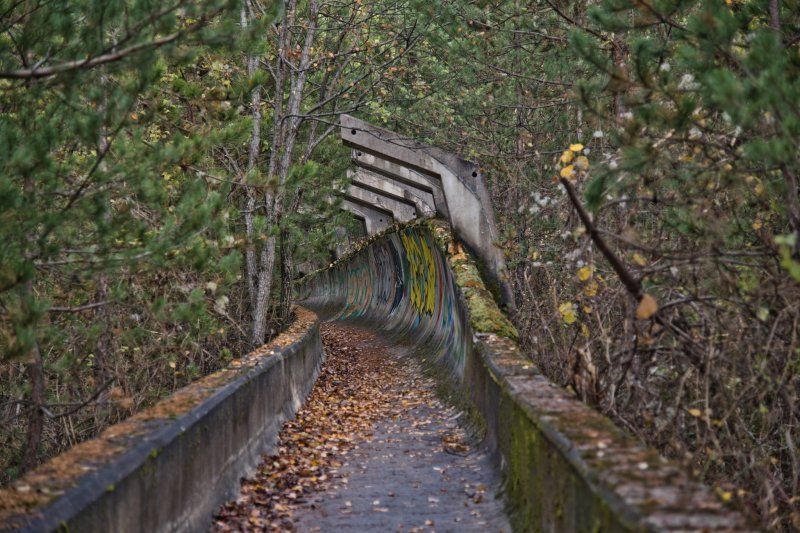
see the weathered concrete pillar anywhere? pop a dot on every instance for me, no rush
(341, 244)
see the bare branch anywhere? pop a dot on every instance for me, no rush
(90, 62)
(77, 309)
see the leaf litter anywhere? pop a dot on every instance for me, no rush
(359, 386)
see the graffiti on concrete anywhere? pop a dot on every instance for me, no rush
(359, 289)
(423, 272)
(403, 285)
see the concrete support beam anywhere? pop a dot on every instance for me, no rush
(423, 201)
(400, 211)
(374, 220)
(468, 201)
(405, 175)
(342, 242)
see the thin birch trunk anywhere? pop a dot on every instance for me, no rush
(288, 127)
(252, 159)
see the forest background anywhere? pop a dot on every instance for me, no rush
(166, 165)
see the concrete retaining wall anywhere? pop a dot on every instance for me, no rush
(169, 468)
(567, 467)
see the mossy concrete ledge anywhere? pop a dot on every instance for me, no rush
(566, 466)
(169, 467)
(569, 468)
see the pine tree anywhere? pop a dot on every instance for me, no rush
(97, 196)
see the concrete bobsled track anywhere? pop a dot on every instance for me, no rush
(566, 467)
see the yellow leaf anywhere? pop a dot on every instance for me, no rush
(567, 171)
(584, 330)
(567, 310)
(647, 307)
(757, 224)
(567, 157)
(582, 162)
(587, 309)
(591, 289)
(584, 273)
(695, 412)
(639, 260)
(172, 364)
(576, 147)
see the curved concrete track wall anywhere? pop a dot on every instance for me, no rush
(168, 468)
(567, 468)
(401, 285)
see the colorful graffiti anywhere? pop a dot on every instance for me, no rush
(400, 284)
(423, 272)
(359, 289)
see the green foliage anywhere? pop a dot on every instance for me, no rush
(117, 242)
(697, 103)
(687, 112)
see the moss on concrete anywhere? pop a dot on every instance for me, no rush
(547, 493)
(484, 313)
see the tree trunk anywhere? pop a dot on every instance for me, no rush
(102, 350)
(35, 372)
(619, 55)
(267, 264)
(103, 343)
(251, 266)
(286, 277)
(775, 16)
(285, 132)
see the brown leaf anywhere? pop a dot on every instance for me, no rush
(647, 307)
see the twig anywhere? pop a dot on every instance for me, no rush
(633, 285)
(79, 308)
(83, 404)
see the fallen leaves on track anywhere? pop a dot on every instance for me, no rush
(358, 385)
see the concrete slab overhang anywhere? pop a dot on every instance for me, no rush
(467, 198)
(401, 211)
(423, 201)
(374, 220)
(406, 176)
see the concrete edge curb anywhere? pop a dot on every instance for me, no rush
(567, 466)
(631, 480)
(184, 451)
